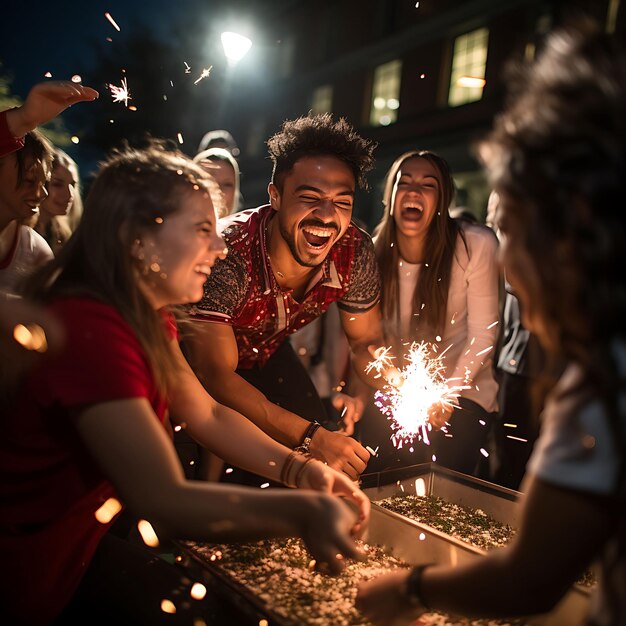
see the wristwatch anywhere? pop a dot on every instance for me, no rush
(413, 587)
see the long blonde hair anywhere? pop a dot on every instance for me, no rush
(430, 298)
(57, 229)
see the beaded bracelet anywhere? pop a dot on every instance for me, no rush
(305, 444)
(413, 588)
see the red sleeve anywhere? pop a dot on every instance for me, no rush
(102, 359)
(8, 143)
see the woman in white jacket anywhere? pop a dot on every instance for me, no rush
(440, 285)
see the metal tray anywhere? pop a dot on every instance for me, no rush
(235, 602)
(419, 543)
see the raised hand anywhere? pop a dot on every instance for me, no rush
(44, 102)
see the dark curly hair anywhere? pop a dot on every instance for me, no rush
(557, 158)
(320, 135)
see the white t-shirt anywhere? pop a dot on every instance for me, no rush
(471, 321)
(29, 252)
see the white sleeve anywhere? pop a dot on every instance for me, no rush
(481, 279)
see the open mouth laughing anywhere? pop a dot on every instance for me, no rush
(412, 212)
(319, 236)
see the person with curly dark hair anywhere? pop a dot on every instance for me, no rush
(287, 262)
(557, 159)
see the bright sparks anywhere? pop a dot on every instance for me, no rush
(113, 22)
(382, 362)
(420, 487)
(205, 74)
(120, 94)
(31, 337)
(167, 606)
(424, 386)
(147, 534)
(198, 591)
(108, 510)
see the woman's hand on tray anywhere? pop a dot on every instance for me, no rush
(321, 477)
(327, 532)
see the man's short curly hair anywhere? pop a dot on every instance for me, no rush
(320, 135)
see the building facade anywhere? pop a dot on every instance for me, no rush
(409, 75)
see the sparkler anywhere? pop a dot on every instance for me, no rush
(205, 74)
(407, 406)
(121, 94)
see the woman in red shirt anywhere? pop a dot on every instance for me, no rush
(90, 425)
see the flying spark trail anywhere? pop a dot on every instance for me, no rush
(187, 68)
(113, 22)
(205, 74)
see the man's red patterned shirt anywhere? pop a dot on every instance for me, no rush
(242, 290)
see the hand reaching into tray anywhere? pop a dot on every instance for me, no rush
(321, 477)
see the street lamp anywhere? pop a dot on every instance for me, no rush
(235, 46)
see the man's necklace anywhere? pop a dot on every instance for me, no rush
(267, 254)
(275, 271)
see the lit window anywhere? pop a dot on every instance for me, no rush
(322, 99)
(386, 94)
(467, 78)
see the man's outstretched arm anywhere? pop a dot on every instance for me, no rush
(213, 354)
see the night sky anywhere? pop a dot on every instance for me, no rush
(66, 37)
(60, 36)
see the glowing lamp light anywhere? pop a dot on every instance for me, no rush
(471, 82)
(235, 46)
